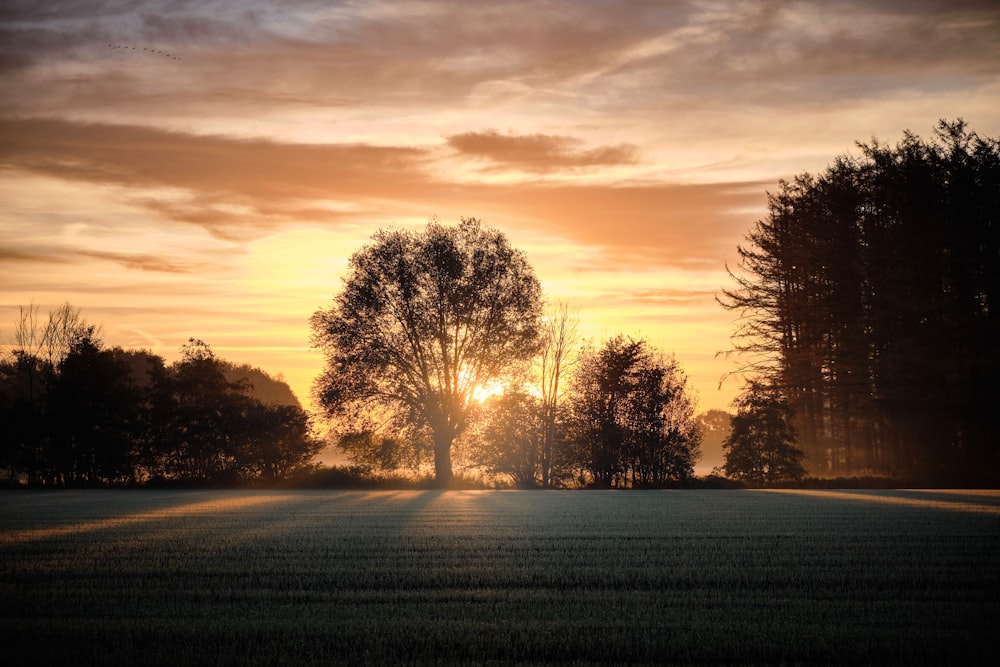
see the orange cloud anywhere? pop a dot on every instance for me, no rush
(11, 255)
(144, 262)
(539, 152)
(243, 188)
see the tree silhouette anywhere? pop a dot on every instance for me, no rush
(631, 419)
(211, 429)
(108, 416)
(423, 321)
(559, 337)
(26, 379)
(760, 447)
(509, 440)
(97, 415)
(868, 294)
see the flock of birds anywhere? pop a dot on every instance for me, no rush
(126, 47)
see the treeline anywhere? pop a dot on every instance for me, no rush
(870, 296)
(624, 419)
(77, 413)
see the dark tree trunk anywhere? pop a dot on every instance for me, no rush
(442, 457)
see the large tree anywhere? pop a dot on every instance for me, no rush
(423, 321)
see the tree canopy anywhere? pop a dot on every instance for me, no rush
(869, 294)
(631, 418)
(423, 321)
(760, 448)
(78, 413)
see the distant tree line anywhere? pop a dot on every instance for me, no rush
(78, 413)
(870, 299)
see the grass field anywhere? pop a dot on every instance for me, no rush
(325, 577)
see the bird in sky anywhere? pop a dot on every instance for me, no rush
(127, 47)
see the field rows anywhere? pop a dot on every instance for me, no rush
(427, 577)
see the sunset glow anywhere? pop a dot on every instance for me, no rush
(207, 169)
(488, 391)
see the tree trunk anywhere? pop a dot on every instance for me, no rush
(548, 439)
(442, 457)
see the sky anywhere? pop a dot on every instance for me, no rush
(206, 169)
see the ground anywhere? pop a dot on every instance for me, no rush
(316, 577)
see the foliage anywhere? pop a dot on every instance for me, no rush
(372, 450)
(95, 412)
(712, 577)
(631, 418)
(423, 321)
(509, 439)
(108, 416)
(715, 426)
(760, 447)
(52, 340)
(869, 294)
(520, 434)
(264, 388)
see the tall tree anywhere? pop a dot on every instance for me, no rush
(868, 295)
(422, 322)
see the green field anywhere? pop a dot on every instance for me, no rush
(324, 577)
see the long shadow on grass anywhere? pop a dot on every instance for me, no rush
(979, 503)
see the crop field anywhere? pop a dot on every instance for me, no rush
(500, 577)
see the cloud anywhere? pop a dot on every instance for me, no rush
(668, 296)
(230, 181)
(775, 87)
(10, 255)
(70, 255)
(655, 56)
(685, 225)
(143, 262)
(539, 152)
(242, 189)
(132, 155)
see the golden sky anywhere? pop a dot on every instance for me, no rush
(205, 168)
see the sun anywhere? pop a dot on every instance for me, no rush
(485, 392)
